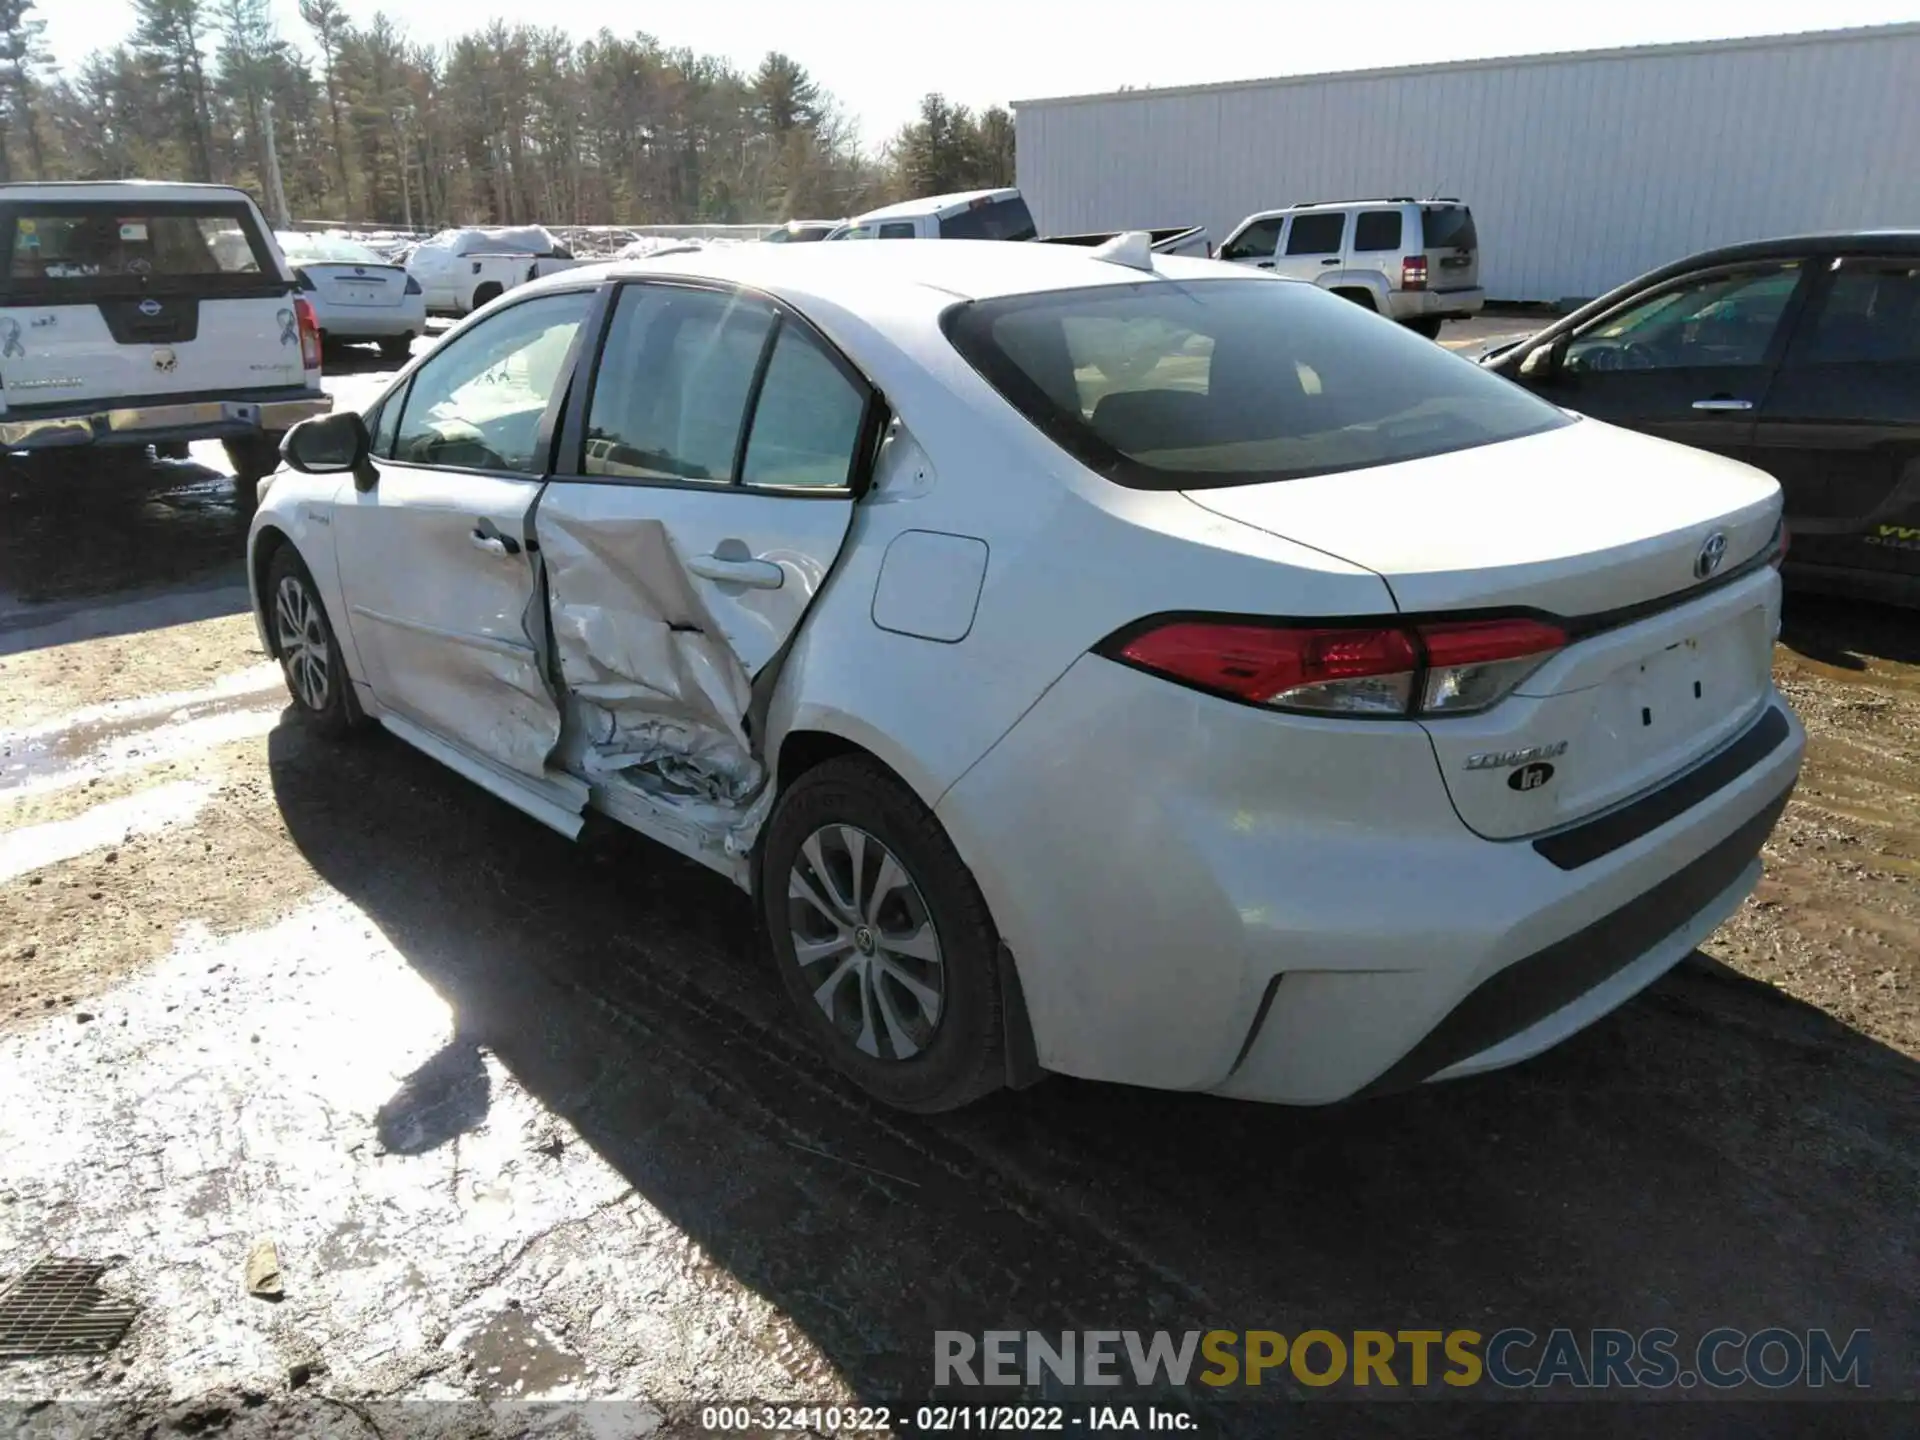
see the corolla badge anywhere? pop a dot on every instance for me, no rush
(1501, 759)
(149, 308)
(1713, 550)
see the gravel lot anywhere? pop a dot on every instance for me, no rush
(525, 1120)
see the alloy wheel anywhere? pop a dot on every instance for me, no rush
(863, 934)
(302, 634)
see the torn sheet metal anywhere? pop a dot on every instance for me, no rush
(656, 698)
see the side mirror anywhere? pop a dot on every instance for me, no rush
(332, 445)
(1545, 362)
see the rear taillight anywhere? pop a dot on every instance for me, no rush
(1439, 668)
(1413, 273)
(413, 286)
(304, 280)
(309, 333)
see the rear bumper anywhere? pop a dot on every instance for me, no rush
(1437, 304)
(370, 322)
(159, 420)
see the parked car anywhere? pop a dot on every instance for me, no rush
(1415, 261)
(1800, 356)
(968, 215)
(1305, 714)
(357, 296)
(134, 313)
(462, 270)
(801, 232)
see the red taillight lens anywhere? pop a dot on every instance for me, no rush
(1413, 273)
(1445, 668)
(309, 334)
(1346, 670)
(1471, 664)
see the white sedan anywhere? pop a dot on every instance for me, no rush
(1089, 661)
(356, 296)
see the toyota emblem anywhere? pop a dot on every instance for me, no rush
(1712, 551)
(149, 308)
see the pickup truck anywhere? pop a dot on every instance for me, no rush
(461, 270)
(137, 313)
(994, 215)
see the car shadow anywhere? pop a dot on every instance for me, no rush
(1715, 1154)
(170, 532)
(361, 360)
(1848, 633)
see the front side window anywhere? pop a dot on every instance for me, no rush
(1376, 230)
(1316, 234)
(103, 248)
(670, 394)
(477, 402)
(1256, 242)
(1007, 219)
(1869, 315)
(1723, 319)
(1232, 382)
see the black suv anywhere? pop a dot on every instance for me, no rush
(1800, 356)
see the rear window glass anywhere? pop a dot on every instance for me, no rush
(102, 247)
(1448, 227)
(1377, 230)
(1159, 386)
(326, 250)
(990, 220)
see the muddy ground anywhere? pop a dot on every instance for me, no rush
(524, 1121)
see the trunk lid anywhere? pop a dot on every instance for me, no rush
(108, 300)
(376, 287)
(1603, 529)
(1452, 247)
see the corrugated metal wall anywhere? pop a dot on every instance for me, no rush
(1582, 170)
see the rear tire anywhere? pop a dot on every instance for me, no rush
(307, 648)
(253, 458)
(900, 985)
(397, 347)
(1426, 326)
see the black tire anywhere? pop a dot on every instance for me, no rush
(171, 450)
(397, 347)
(336, 713)
(253, 458)
(1425, 326)
(960, 1057)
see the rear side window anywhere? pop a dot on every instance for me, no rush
(94, 248)
(1448, 227)
(1870, 315)
(1007, 219)
(807, 419)
(897, 230)
(1376, 230)
(1232, 382)
(670, 396)
(1317, 234)
(1256, 242)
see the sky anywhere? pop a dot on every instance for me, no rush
(879, 58)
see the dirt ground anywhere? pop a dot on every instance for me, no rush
(527, 1121)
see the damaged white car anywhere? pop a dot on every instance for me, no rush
(1090, 661)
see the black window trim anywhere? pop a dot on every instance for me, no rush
(549, 417)
(573, 427)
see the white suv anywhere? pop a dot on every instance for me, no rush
(134, 313)
(1415, 261)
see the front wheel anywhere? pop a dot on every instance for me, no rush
(883, 940)
(307, 648)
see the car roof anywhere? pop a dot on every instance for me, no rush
(1383, 203)
(1830, 242)
(933, 204)
(850, 276)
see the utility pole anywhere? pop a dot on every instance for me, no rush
(276, 192)
(402, 143)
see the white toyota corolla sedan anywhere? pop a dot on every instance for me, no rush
(1089, 661)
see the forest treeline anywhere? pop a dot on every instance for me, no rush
(505, 125)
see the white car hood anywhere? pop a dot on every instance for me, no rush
(1577, 520)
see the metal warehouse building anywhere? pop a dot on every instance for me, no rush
(1582, 169)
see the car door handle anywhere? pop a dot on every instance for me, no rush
(1331, 260)
(1266, 264)
(1723, 402)
(759, 574)
(493, 544)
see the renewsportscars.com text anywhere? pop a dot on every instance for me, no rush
(1775, 1358)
